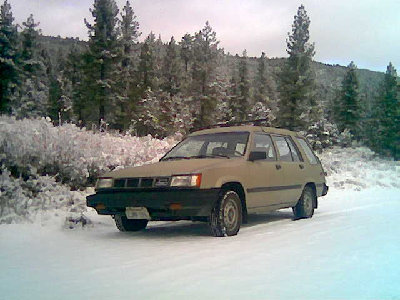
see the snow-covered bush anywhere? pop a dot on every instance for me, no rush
(345, 138)
(21, 200)
(35, 157)
(161, 115)
(261, 111)
(40, 164)
(72, 155)
(322, 135)
(359, 168)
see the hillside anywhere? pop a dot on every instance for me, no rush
(57, 47)
(328, 77)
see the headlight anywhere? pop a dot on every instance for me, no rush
(103, 183)
(186, 180)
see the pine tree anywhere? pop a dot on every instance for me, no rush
(8, 57)
(240, 108)
(129, 34)
(34, 90)
(55, 93)
(348, 109)
(186, 50)
(219, 91)
(204, 74)
(30, 46)
(231, 107)
(103, 57)
(264, 90)
(387, 116)
(172, 69)
(129, 29)
(264, 94)
(59, 106)
(261, 79)
(147, 68)
(296, 79)
(244, 87)
(73, 85)
(151, 112)
(147, 115)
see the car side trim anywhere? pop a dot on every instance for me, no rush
(274, 188)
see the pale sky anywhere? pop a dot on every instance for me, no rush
(365, 31)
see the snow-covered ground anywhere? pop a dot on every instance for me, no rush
(350, 249)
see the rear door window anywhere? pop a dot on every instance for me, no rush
(307, 150)
(263, 143)
(283, 148)
(293, 149)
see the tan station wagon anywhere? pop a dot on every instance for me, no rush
(217, 175)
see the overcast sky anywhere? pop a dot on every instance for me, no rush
(365, 31)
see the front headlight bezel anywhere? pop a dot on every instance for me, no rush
(186, 180)
(104, 183)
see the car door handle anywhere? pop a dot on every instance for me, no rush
(301, 167)
(278, 167)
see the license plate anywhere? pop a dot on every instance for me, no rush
(137, 213)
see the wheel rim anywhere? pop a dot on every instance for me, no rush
(308, 203)
(231, 213)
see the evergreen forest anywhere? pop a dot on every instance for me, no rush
(159, 88)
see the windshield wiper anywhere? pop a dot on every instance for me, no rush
(196, 156)
(177, 157)
(210, 156)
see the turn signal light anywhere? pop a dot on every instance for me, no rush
(175, 206)
(100, 206)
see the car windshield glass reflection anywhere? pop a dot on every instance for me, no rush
(217, 145)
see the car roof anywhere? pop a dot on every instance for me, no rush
(246, 128)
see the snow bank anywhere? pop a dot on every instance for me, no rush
(359, 168)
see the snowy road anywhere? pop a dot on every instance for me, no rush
(350, 249)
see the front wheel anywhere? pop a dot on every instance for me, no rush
(226, 216)
(125, 224)
(305, 206)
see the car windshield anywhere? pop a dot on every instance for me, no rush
(216, 145)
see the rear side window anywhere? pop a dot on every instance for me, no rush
(295, 152)
(283, 148)
(309, 153)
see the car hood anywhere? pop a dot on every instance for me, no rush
(168, 168)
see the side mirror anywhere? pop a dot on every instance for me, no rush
(257, 155)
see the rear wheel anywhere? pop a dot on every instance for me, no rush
(305, 206)
(226, 217)
(125, 224)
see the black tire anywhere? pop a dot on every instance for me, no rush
(124, 224)
(226, 216)
(304, 208)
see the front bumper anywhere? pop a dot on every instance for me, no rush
(162, 204)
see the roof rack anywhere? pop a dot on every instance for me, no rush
(257, 122)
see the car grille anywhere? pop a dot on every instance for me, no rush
(144, 182)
